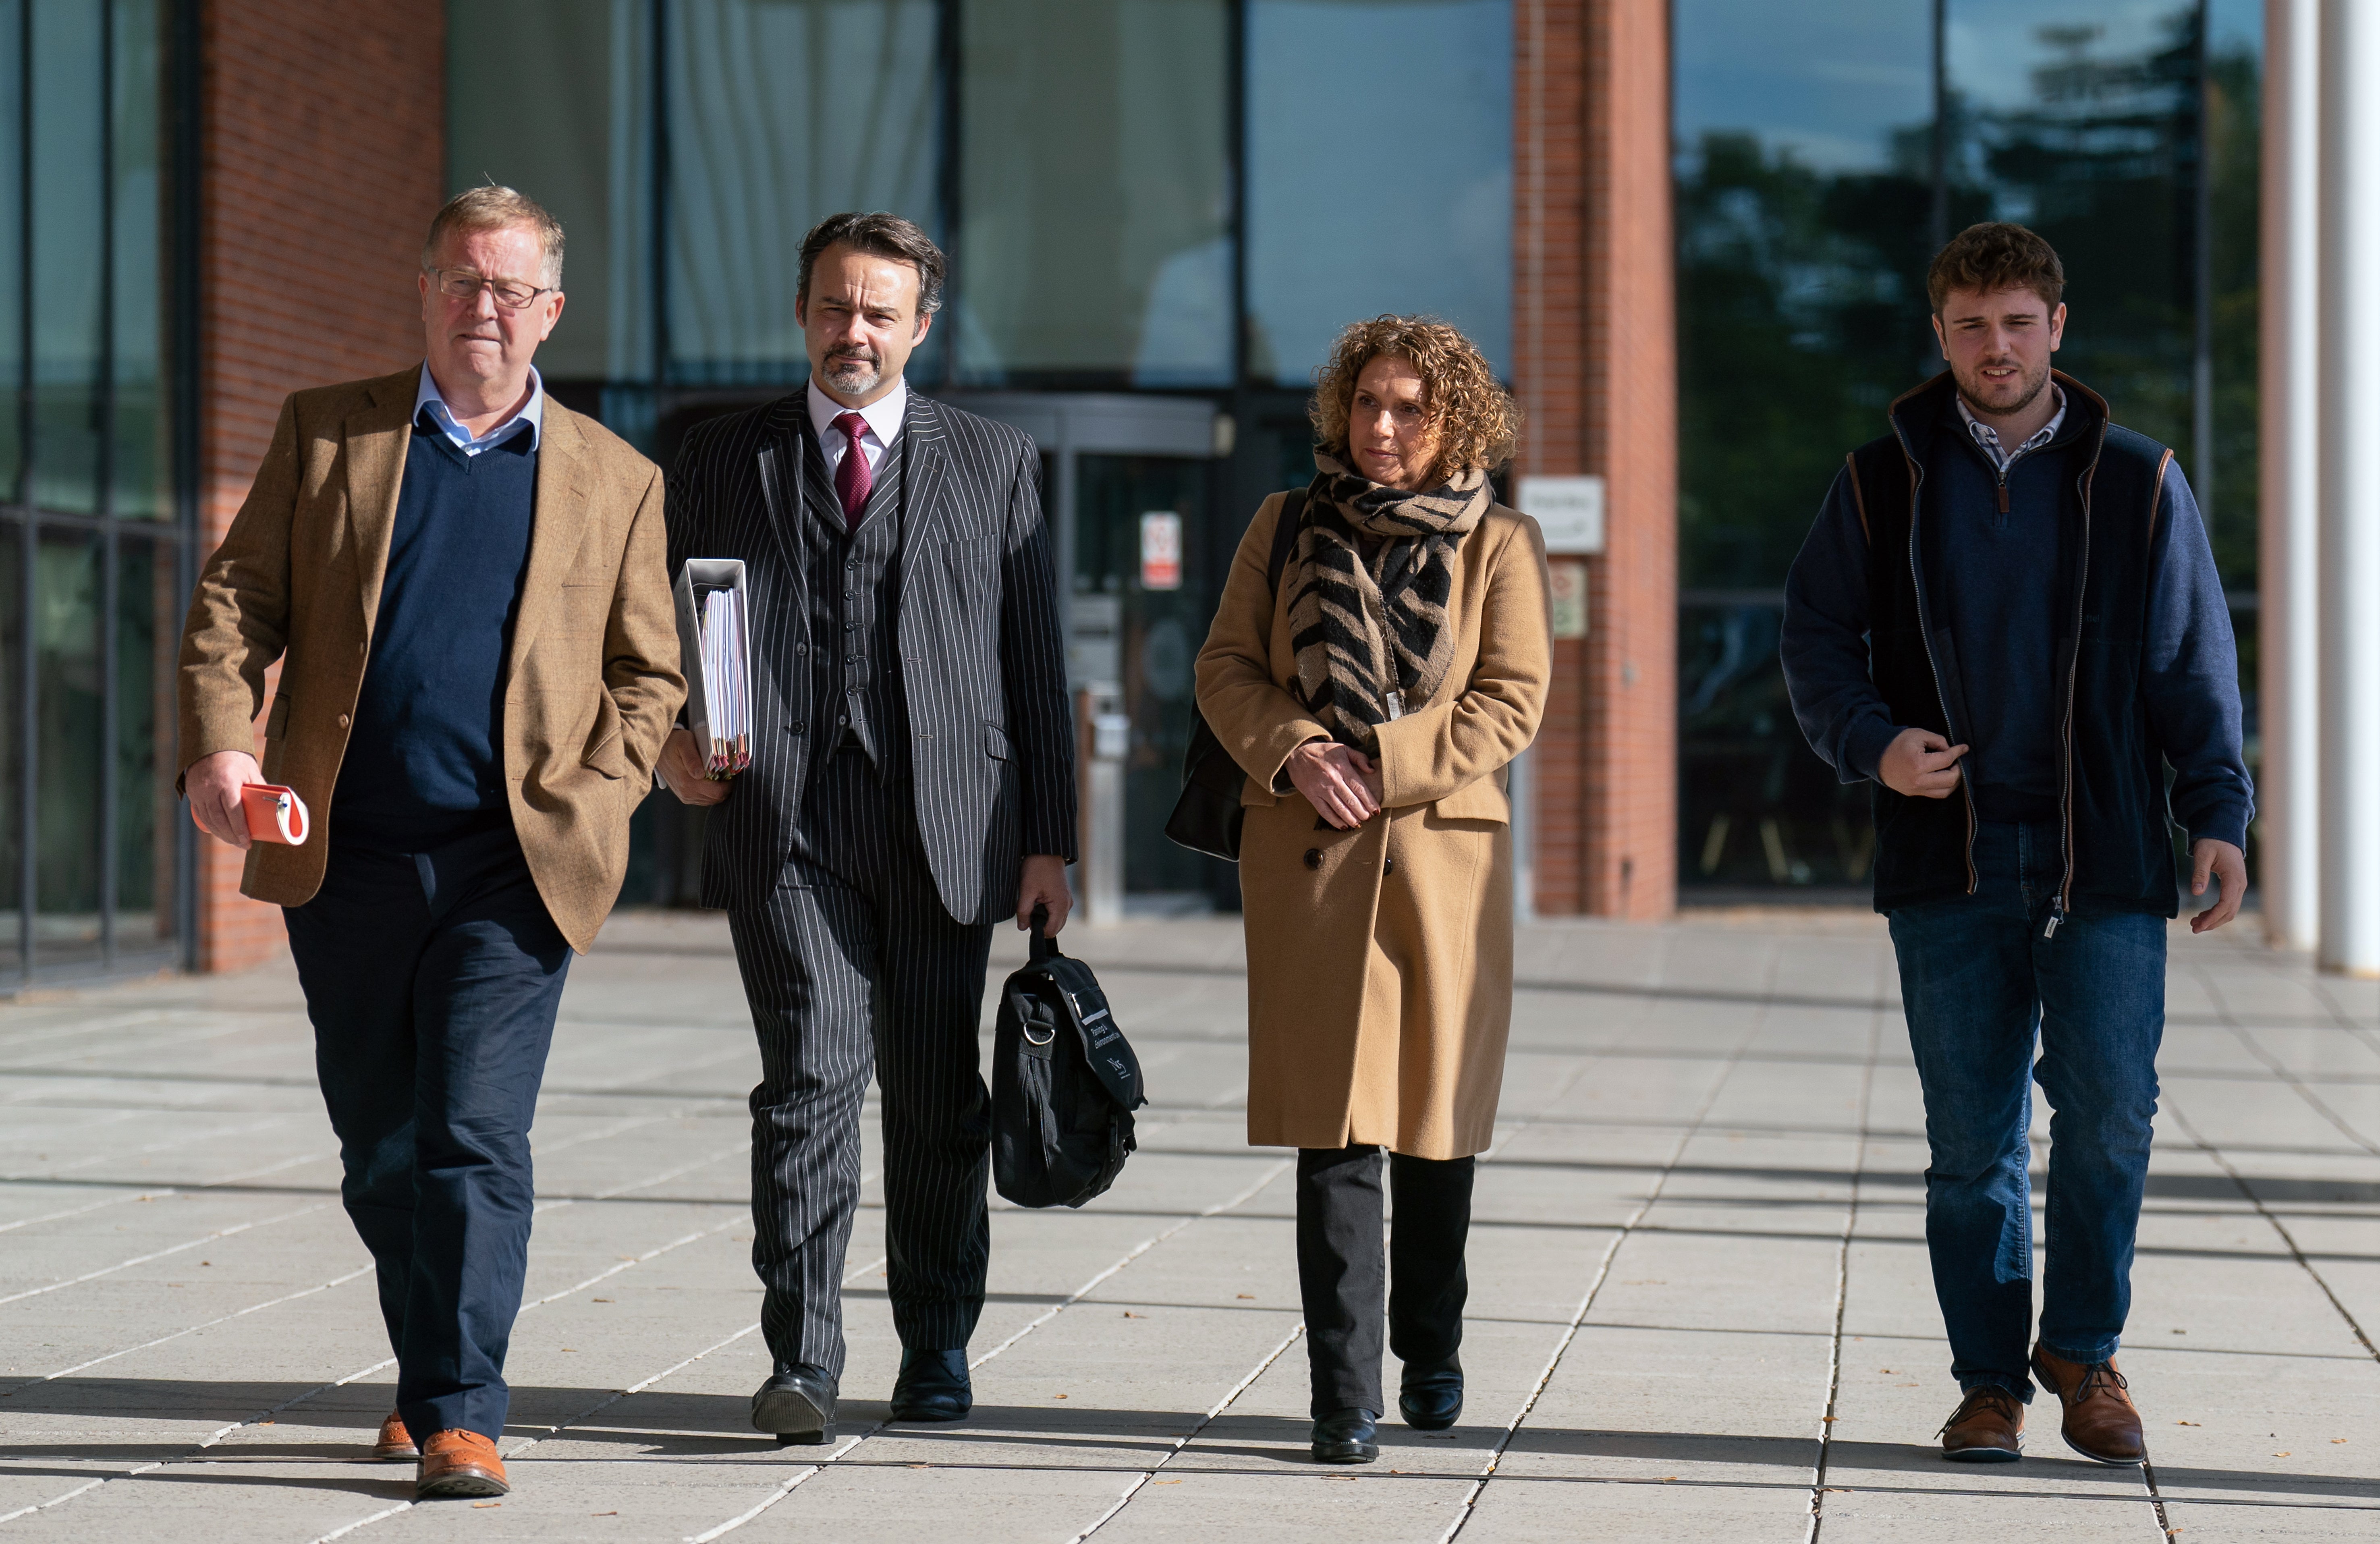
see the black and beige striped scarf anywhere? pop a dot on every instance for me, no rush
(1371, 631)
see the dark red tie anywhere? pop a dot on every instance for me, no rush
(852, 478)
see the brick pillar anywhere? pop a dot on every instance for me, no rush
(1596, 364)
(324, 158)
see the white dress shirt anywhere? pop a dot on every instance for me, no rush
(532, 414)
(884, 417)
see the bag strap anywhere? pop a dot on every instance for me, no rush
(1105, 1049)
(1284, 534)
(1044, 947)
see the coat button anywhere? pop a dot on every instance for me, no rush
(342, 720)
(1388, 867)
(794, 727)
(1313, 857)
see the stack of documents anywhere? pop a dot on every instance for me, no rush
(714, 649)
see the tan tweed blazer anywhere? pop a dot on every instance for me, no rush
(592, 683)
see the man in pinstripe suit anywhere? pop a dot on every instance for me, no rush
(912, 781)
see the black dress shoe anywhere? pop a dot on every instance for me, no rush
(1432, 1401)
(932, 1387)
(1346, 1437)
(797, 1407)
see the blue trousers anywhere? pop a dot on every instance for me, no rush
(1982, 987)
(433, 979)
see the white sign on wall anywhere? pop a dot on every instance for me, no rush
(1160, 549)
(1568, 508)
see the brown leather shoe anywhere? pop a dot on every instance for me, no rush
(1983, 1429)
(2100, 1422)
(395, 1444)
(459, 1462)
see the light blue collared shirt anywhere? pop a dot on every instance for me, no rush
(532, 416)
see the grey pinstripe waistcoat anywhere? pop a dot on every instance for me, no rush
(981, 660)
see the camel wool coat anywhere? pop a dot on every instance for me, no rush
(1380, 959)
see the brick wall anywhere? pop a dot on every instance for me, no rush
(322, 159)
(1595, 362)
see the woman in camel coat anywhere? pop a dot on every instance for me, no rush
(1375, 702)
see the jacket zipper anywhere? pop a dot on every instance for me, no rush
(2066, 729)
(1925, 635)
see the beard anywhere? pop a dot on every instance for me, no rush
(1980, 393)
(855, 372)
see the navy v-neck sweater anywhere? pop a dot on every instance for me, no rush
(425, 757)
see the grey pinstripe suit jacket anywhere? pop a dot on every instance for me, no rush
(981, 659)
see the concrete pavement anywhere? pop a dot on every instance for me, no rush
(1700, 1300)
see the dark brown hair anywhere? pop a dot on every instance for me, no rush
(1478, 422)
(879, 235)
(1995, 255)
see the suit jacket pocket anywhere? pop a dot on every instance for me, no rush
(606, 751)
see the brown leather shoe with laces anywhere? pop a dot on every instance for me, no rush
(1983, 1429)
(395, 1443)
(2100, 1423)
(459, 1462)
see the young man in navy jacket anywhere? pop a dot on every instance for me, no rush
(2008, 619)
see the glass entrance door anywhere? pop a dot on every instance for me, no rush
(1132, 485)
(1135, 517)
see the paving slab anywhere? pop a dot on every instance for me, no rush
(1700, 1299)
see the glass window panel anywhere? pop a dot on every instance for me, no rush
(1333, 87)
(145, 801)
(12, 251)
(782, 112)
(1094, 209)
(2080, 120)
(140, 457)
(1804, 210)
(1755, 807)
(1803, 214)
(567, 120)
(2235, 88)
(69, 108)
(12, 744)
(71, 731)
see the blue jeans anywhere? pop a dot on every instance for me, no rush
(1980, 983)
(433, 979)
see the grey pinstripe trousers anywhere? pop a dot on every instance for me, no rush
(854, 960)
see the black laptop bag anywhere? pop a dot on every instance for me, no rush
(1064, 1083)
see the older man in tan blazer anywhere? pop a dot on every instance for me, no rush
(465, 585)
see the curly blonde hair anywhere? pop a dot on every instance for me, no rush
(1478, 422)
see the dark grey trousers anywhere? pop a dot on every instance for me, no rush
(854, 963)
(1344, 1271)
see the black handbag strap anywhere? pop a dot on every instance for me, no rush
(1284, 534)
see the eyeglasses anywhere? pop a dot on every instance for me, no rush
(461, 283)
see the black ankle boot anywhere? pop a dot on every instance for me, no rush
(1432, 1401)
(1346, 1437)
